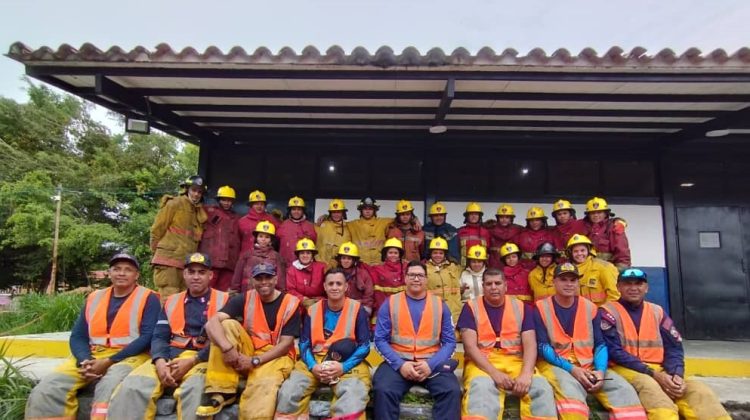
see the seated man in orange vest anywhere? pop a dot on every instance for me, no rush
(647, 349)
(415, 335)
(575, 355)
(500, 355)
(178, 349)
(110, 338)
(334, 342)
(260, 348)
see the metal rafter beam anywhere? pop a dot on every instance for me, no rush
(696, 131)
(445, 102)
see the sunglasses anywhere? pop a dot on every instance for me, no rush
(633, 273)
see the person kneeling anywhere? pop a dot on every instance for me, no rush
(334, 342)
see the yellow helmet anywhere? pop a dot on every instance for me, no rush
(349, 249)
(437, 208)
(509, 248)
(506, 210)
(226, 192)
(561, 205)
(296, 202)
(404, 206)
(473, 207)
(265, 227)
(578, 239)
(256, 196)
(336, 205)
(438, 243)
(477, 252)
(305, 244)
(597, 204)
(393, 243)
(535, 213)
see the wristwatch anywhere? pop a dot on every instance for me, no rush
(255, 361)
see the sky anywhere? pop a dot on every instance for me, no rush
(472, 24)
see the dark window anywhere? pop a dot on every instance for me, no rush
(573, 177)
(517, 178)
(240, 170)
(462, 177)
(629, 178)
(344, 174)
(396, 177)
(293, 175)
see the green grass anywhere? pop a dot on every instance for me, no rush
(37, 313)
(14, 387)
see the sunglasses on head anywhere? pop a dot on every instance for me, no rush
(633, 273)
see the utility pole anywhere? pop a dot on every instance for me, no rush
(52, 287)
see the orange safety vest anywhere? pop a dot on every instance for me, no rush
(510, 330)
(256, 325)
(125, 328)
(345, 328)
(412, 345)
(644, 343)
(579, 347)
(175, 309)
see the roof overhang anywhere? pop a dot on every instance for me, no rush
(213, 96)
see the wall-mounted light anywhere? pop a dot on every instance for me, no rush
(524, 171)
(137, 126)
(331, 168)
(687, 184)
(438, 129)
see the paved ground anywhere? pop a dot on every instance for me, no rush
(738, 350)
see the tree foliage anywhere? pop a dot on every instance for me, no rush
(110, 184)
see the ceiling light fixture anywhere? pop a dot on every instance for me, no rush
(718, 133)
(687, 184)
(438, 129)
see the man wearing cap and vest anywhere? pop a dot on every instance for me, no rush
(221, 238)
(261, 348)
(516, 275)
(263, 251)
(500, 355)
(598, 277)
(575, 354)
(415, 335)
(333, 345)
(256, 213)
(388, 277)
(437, 227)
(179, 350)
(566, 224)
(647, 351)
(304, 276)
(607, 233)
(359, 285)
(541, 277)
(295, 227)
(502, 231)
(404, 228)
(110, 338)
(472, 232)
(332, 232)
(534, 234)
(369, 231)
(444, 276)
(175, 234)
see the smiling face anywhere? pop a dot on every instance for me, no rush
(545, 260)
(296, 212)
(566, 285)
(263, 239)
(335, 287)
(437, 256)
(346, 262)
(596, 216)
(197, 278)
(123, 274)
(579, 252)
(195, 193)
(416, 282)
(473, 218)
(305, 257)
(265, 284)
(562, 216)
(258, 206)
(633, 291)
(476, 265)
(404, 218)
(511, 260)
(392, 255)
(336, 216)
(494, 287)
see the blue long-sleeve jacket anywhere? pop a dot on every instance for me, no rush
(416, 307)
(195, 319)
(446, 231)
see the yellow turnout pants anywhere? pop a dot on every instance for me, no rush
(698, 403)
(482, 400)
(258, 401)
(55, 397)
(168, 281)
(350, 394)
(616, 395)
(140, 390)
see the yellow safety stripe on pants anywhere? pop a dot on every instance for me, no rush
(392, 290)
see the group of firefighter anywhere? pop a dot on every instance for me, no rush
(550, 314)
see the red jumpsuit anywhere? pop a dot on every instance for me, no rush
(498, 236)
(387, 279)
(528, 241)
(563, 233)
(247, 225)
(221, 242)
(413, 240)
(517, 278)
(360, 285)
(306, 282)
(609, 244)
(241, 281)
(470, 235)
(289, 233)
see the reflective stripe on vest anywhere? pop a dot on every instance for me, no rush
(175, 310)
(579, 347)
(391, 290)
(510, 330)
(644, 343)
(256, 325)
(345, 327)
(126, 325)
(407, 343)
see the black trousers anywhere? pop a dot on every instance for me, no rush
(390, 387)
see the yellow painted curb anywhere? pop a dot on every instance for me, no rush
(731, 368)
(21, 347)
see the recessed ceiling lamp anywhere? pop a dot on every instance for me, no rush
(438, 129)
(687, 184)
(717, 133)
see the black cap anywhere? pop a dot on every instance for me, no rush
(198, 258)
(368, 202)
(124, 256)
(263, 268)
(632, 274)
(566, 268)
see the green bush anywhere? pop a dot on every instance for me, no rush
(14, 387)
(42, 314)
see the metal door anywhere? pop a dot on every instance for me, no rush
(714, 243)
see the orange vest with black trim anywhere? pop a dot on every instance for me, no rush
(510, 329)
(644, 343)
(126, 326)
(578, 349)
(175, 309)
(423, 343)
(256, 325)
(345, 328)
